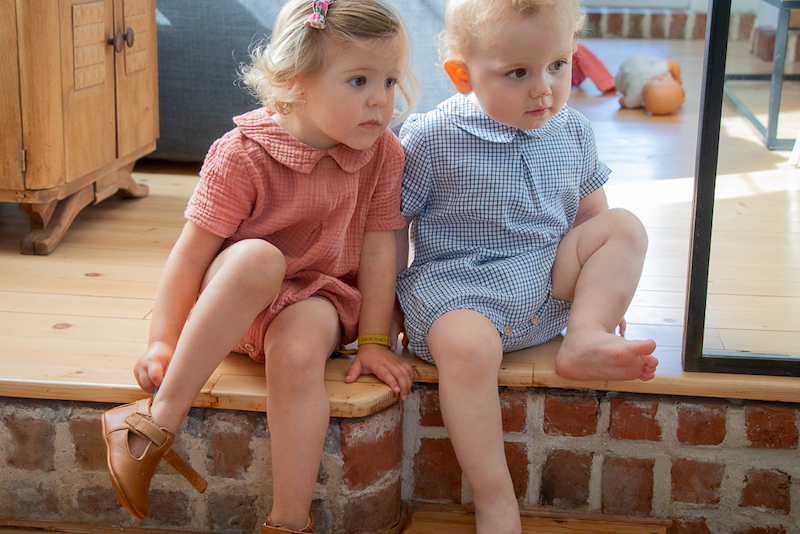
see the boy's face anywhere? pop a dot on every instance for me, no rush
(519, 68)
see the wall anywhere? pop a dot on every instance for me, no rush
(727, 467)
(712, 466)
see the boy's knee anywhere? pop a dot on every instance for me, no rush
(626, 225)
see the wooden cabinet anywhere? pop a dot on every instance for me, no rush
(78, 106)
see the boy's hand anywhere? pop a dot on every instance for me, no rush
(383, 363)
(397, 327)
(151, 367)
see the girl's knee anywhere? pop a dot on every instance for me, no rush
(259, 259)
(294, 361)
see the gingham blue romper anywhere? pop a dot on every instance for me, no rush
(491, 204)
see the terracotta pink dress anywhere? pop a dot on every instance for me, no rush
(314, 205)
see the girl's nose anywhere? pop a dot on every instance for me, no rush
(378, 98)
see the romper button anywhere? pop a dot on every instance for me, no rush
(534, 320)
(249, 347)
(508, 330)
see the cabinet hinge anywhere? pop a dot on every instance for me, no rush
(23, 160)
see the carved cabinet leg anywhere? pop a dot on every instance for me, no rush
(49, 221)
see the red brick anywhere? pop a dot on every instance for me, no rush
(746, 25)
(437, 475)
(762, 530)
(565, 479)
(372, 446)
(34, 500)
(677, 25)
(378, 512)
(90, 451)
(171, 507)
(701, 424)
(771, 428)
(232, 513)
(514, 406)
(570, 413)
(429, 411)
(768, 490)
(614, 25)
(634, 420)
(657, 23)
(689, 525)
(98, 501)
(627, 487)
(32, 441)
(699, 31)
(696, 482)
(764, 43)
(228, 437)
(635, 25)
(517, 459)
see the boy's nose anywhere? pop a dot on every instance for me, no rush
(540, 87)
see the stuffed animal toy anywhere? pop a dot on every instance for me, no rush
(654, 85)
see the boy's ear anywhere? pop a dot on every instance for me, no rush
(458, 75)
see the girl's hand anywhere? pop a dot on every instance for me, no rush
(151, 367)
(383, 363)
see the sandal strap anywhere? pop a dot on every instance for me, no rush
(269, 526)
(144, 425)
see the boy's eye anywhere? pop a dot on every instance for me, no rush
(560, 64)
(359, 81)
(518, 73)
(390, 82)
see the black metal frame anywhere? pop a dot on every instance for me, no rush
(776, 79)
(694, 358)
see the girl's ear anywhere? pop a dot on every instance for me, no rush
(458, 75)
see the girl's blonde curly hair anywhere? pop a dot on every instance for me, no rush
(297, 50)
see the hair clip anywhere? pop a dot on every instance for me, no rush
(319, 14)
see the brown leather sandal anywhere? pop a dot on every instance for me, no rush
(269, 528)
(130, 476)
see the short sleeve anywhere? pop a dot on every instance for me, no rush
(384, 206)
(225, 195)
(417, 173)
(595, 172)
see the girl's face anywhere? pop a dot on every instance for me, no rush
(352, 101)
(519, 69)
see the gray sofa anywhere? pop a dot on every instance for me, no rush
(201, 44)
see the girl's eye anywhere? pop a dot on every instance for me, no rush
(390, 82)
(517, 73)
(359, 81)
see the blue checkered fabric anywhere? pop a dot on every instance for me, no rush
(490, 205)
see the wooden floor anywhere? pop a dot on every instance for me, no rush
(91, 298)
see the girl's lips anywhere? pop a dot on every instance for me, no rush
(371, 125)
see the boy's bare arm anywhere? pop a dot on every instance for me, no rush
(590, 206)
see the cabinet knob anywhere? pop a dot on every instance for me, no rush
(129, 37)
(116, 41)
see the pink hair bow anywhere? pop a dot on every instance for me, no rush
(319, 14)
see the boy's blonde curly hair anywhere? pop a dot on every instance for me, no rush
(296, 50)
(464, 18)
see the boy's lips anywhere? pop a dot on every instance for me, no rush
(538, 112)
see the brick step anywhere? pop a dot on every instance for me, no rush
(462, 522)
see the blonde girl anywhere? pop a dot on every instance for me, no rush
(288, 250)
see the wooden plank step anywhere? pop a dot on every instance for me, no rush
(9, 526)
(433, 522)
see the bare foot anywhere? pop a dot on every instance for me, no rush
(605, 356)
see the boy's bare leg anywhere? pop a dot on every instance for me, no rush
(467, 350)
(297, 344)
(597, 267)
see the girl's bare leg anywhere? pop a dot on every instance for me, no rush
(467, 350)
(239, 284)
(597, 267)
(297, 345)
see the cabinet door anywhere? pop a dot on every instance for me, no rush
(87, 70)
(137, 76)
(10, 111)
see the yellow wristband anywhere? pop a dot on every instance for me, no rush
(373, 339)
